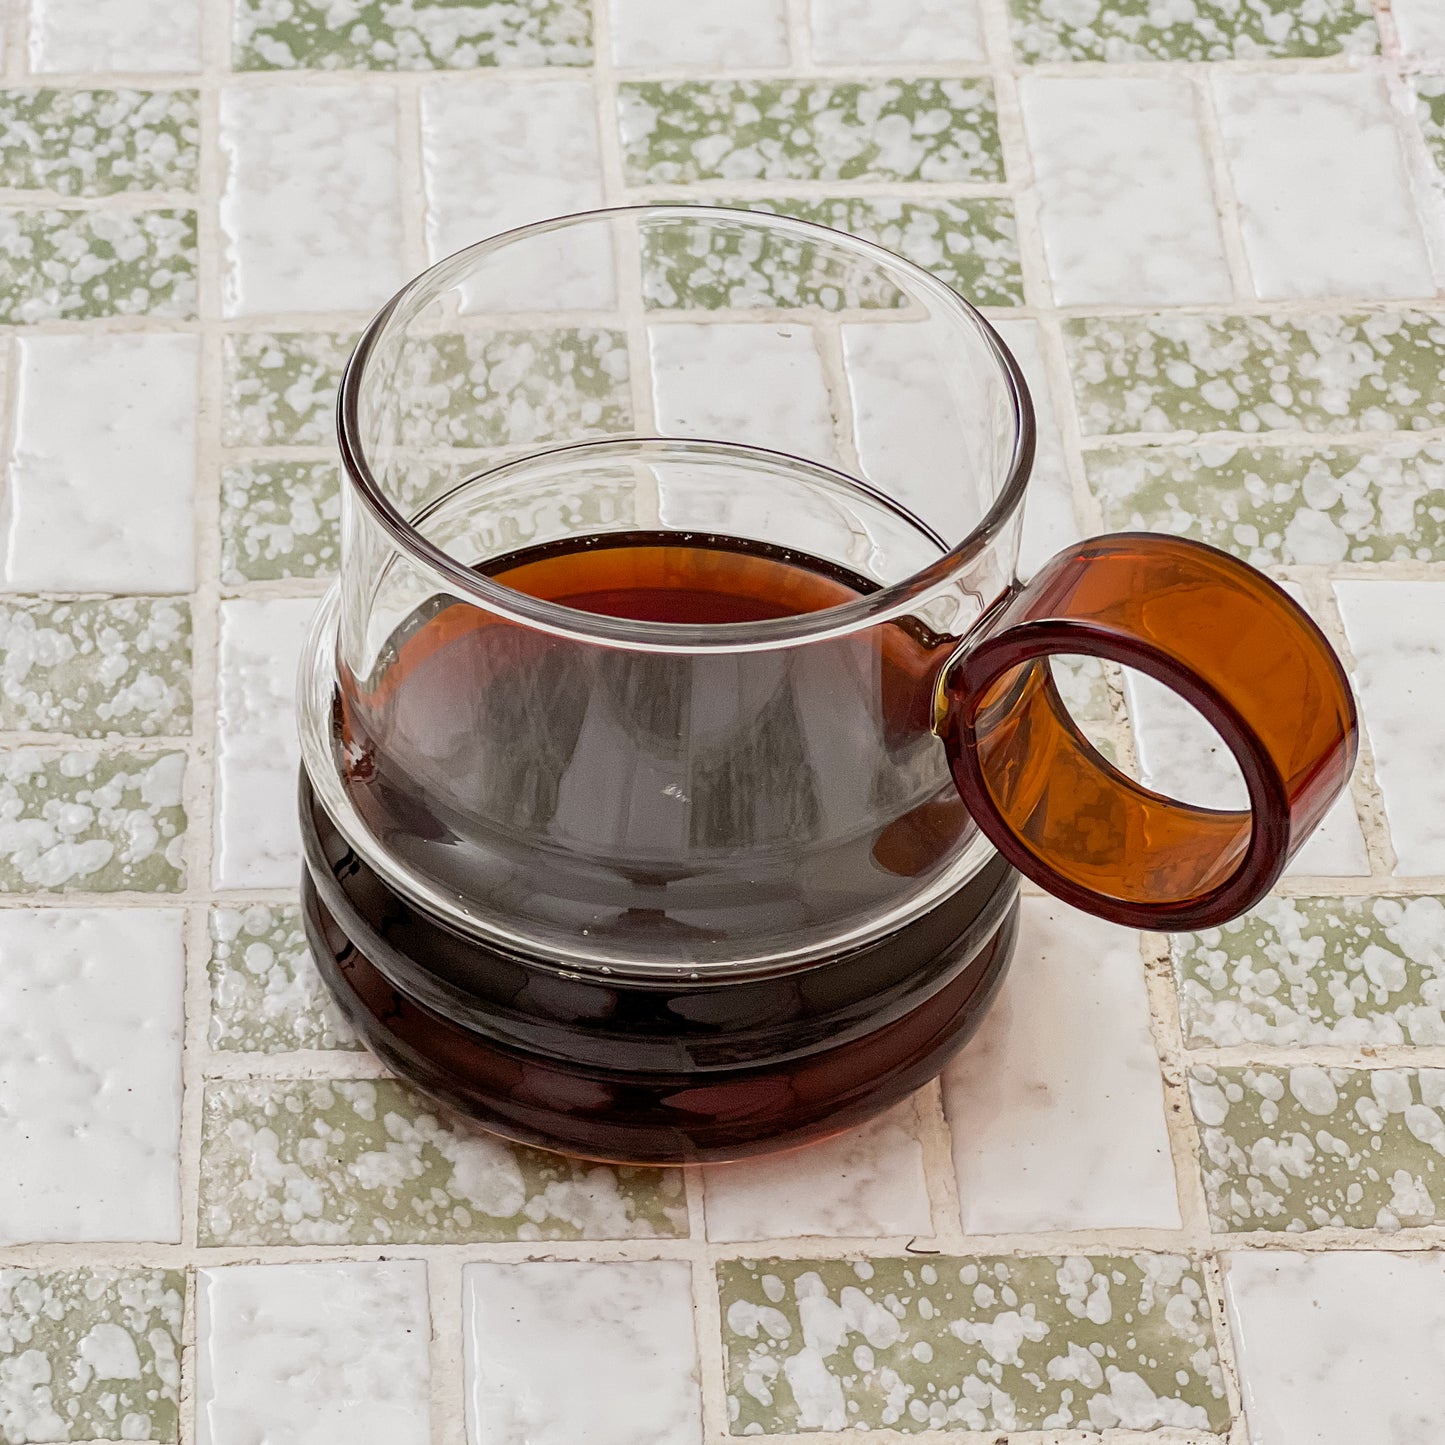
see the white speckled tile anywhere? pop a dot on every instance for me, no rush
(304, 167)
(313, 1354)
(864, 1182)
(859, 31)
(147, 36)
(90, 1076)
(619, 1335)
(497, 154)
(99, 495)
(1055, 1106)
(1337, 1349)
(1125, 202)
(1395, 631)
(256, 841)
(718, 35)
(1421, 27)
(761, 382)
(1324, 200)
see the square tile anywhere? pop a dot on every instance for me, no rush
(280, 388)
(67, 265)
(419, 35)
(910, 392)
(1351, 971)
(311, 212)
(848, 32)
(1306, 149)
(279, 520)
(739, 381)
(92, 822)
(257, 844)
(866, 1181)
(1421, 27)
(674, 132)
(1338, 1348)
(313, 1353)
(1089, 1342)
(1124, 30)
(1395, 631)
(266, 995)
(1055, 1104)
(154, 36)
(1126, 204)
(498, 154)
(1050, 519)
(716, 34)
(1295, 1148)
(90, 1074)
(99, 142)
(620, 1335)
(92, 1352)
(1182, 756)
(96, 668)
(100, 495)
(363, 1161)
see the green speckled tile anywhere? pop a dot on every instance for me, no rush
(779, 130)
(1317, 971)
(969, 1344)
(280, 388)
(266, 996)
(1301, 1148)
(91, 821)
(410, 35)
(99, 142)
(90, 1354)
(1324, 373)
(1193, 30)
(1430, 108)
(58, 265)
(970, 244)
(1272, 505)
(279, 519)
(512, 388)
(362, 1162)
(120, 665)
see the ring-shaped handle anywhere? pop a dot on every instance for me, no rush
(1228, 640)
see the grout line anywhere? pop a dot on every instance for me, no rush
(414, 210)
(800, 36)
(447, 1383)
(1226, 203)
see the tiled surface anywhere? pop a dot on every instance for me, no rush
(1211, 232)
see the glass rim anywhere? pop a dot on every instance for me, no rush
(557, 618)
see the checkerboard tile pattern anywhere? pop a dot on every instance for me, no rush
(1167, 1188)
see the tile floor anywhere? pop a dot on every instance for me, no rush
(1187, 1189)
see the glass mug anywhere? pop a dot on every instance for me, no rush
(678, 729)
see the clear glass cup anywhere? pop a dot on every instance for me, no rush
(678, 723)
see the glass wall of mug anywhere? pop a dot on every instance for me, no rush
(659, 525)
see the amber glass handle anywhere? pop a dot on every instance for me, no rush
(1225, 638)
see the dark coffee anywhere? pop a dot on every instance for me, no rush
(670, 807)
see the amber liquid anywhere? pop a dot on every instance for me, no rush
(629, 800)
